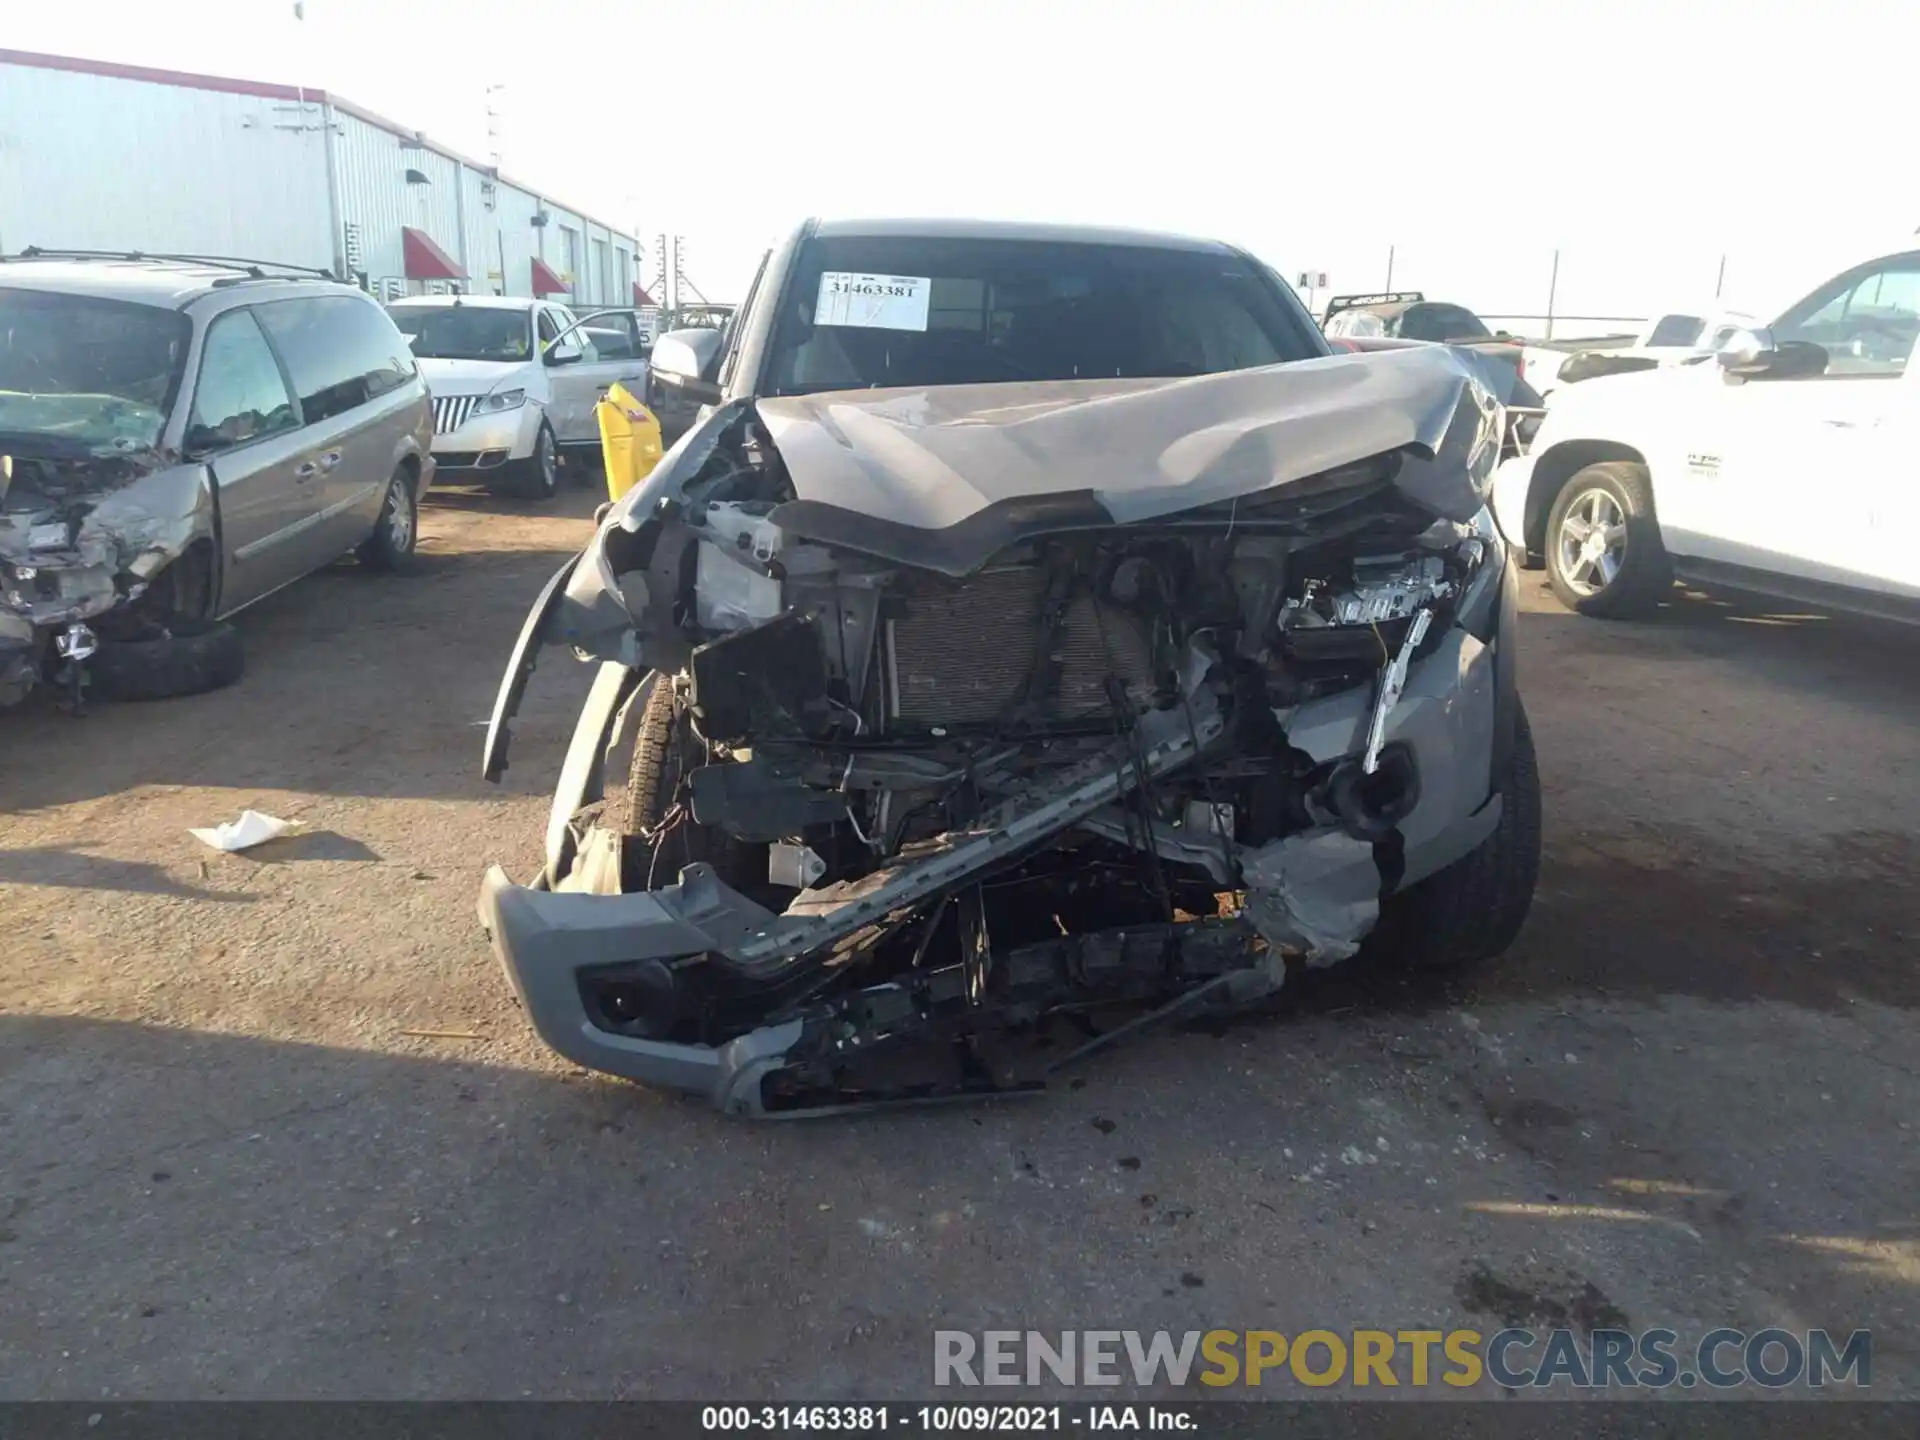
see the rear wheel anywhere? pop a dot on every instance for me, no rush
(655, 812)
(1473, 909)
(1603, 550)
(390, 546)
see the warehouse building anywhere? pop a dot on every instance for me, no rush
(98, 156)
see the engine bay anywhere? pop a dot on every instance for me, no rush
(846, 723)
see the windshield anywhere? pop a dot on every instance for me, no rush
(79, 371)
(861, 313)
(464, 332)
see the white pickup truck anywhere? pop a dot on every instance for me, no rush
(1790, 468)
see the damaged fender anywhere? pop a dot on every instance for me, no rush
(97, 535)
(81, 537)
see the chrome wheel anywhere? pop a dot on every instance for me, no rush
(1592, 543)
(399, 516)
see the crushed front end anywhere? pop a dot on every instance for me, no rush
(81, 535)
(934, 762)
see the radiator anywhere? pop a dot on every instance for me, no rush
(958, 653)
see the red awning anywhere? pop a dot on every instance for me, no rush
(425, 259)
(546, 281)
(641, 300)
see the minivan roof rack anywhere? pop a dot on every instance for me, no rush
(255, 269)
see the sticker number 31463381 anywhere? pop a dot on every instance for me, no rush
(873, 302)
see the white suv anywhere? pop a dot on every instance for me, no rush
(1790, 468)
(514, 381)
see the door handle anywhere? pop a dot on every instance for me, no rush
(330, 459)
(305, 470)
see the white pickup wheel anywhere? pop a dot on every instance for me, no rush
(1603, 550)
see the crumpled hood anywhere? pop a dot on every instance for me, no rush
(933, 458)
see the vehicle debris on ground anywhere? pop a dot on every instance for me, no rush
(250, 829)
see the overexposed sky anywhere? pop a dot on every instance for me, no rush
(1643, 140)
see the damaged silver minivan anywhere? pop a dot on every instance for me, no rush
(178, 438)
(1041, 635)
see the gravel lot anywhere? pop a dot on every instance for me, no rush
(231, 1165)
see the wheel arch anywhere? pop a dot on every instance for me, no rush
(203, 551)
(1553, 469)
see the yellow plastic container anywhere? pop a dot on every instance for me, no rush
(629, 440)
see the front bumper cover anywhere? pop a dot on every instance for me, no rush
(510, 430)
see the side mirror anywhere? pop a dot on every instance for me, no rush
(687, 360)
(564, 351)
(1748, 352)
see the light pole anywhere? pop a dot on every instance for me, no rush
(1553, 288)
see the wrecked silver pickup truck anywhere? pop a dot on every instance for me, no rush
(179, 437)
(960, 707)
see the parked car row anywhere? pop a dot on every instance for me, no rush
(514, 381)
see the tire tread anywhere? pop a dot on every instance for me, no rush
(207, 657)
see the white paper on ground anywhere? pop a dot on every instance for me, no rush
(873, 302)
(252, 828)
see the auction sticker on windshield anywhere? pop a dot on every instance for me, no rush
(873, 302)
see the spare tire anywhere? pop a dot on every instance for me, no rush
(162, 658)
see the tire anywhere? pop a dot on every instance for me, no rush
(391, 545)
(665, 749)
(1472, 910)
(1624, 571)
(538, 476)
(163, 658)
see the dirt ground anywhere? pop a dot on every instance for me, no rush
(272, 1126)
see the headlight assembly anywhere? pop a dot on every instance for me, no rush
(503, 400)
